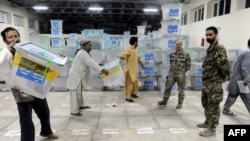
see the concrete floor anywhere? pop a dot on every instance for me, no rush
(142, 120)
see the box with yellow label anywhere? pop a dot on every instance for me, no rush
(115, 76)
(34, 69)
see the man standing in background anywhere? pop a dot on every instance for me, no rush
(131, 69)
(241, 72)
(180, 63)
(216, 70)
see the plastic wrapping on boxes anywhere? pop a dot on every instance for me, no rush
(171, 12)
(56, 24)
(149, 70)
(169, 28)
(40, 40)
(73, 36)
(196, 83)
(97, 55)
(57, 42)
(148, 84)
(64, 71)
(60, 84)
(97, 83)
(97, 42)
(196, 69)
(141, 30)
(56, 33)
(165, 58)
(34, 69)
(197, 54)
(72, 43)
(111, 54)
(148, 57)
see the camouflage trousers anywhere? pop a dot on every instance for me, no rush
(211, 96)
(170, 81)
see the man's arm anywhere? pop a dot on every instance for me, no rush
(244, 64)
(188, 62)
(223, 63)
(140, 62)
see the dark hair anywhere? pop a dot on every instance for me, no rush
(215, 30)
(7, 29)
(133, 40)
(248, 42)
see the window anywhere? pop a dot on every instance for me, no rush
(184, 19)
(3, 17)
(247, 5)
(221, 7)
(18, 21)
(199, 14)
(31, 23)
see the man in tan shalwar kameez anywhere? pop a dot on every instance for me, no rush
(131, 69)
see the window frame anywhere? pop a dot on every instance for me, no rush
(217, 5)
(18, 20)
(199, 14)
(3, 17)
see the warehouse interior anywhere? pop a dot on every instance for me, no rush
(61, 24)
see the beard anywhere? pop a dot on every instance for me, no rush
(210, 40)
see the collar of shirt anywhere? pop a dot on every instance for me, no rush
(212, 47)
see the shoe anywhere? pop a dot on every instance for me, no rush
(84, 107)
(228, 112)
(202, 125)
(50, 136)
(134, 96)
(208, 132)
(179, 106)
(76, 114)
(162, 103)
(129, 100)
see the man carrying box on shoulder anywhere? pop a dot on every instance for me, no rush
(26, 102)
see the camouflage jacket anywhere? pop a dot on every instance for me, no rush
(179, 62)
(215, 65)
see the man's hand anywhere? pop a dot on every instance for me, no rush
(245, 83)
(106, 72)
(62, 55)
(142, 66)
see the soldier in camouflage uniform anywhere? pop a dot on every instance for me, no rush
(215, 71)
(180, 63)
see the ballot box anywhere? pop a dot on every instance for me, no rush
(34, 69)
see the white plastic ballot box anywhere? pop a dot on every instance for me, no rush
(34, 69)
(116, 74)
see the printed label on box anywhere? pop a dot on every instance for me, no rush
(149, 56)
(173, 12)
(198, 83)
(199, 71)
(172, 28)
(148, 83)
(171, 43)
(31, 71)
(148, 70)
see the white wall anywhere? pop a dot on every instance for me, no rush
(24, 31)
(234, 28)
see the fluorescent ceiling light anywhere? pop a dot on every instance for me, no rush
(95, 8)
(41, 7)
(150, 10)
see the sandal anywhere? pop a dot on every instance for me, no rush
(228, 112)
